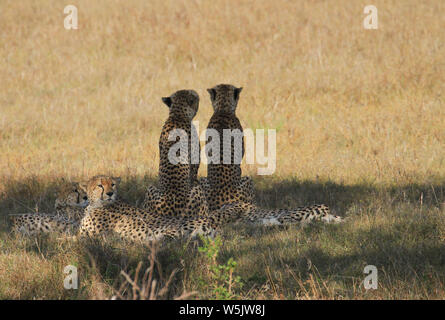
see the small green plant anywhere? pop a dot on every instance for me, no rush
(221, 279)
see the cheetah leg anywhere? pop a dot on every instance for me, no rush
(152, 198)
(156, 201)
(323, 213)
(332, 219)
(34, 223)
(201, 231)
(246, 190)
(210, 226)
(205, 186)
(197, 204)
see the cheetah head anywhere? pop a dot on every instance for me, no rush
(101, 190)
(224, 97)
(71, 195)
(183, 102)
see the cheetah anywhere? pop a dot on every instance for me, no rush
(225, 182)
(179, 192)
(69, 209)
(105, 214)
(71, 201)
(31, 224)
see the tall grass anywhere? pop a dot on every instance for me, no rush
(359, 114)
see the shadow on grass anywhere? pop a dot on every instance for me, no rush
(38, 194)
(401, 252)
(410, 260)
(340, 197)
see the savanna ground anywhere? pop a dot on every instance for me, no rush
(360, 121)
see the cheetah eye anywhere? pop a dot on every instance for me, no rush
(112, 184)
(99, 185)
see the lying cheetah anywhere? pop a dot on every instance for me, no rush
(36, 223)
(225, 181)
(105, 214)
(71, 201)
(179, 193)
(69, 205)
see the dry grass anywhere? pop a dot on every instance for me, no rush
(359, 114)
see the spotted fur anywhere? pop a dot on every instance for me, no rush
(106, 215)
(179, 194)
(69, 209)
(225, 182)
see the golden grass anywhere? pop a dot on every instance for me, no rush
(360, 114)
(350, 104)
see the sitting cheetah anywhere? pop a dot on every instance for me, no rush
(70, 203)
(179, 193)
(225, 182)
(105, 214)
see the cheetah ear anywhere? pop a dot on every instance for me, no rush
(212, 93)
(167, 101)
(117, 180)
(236, 93)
